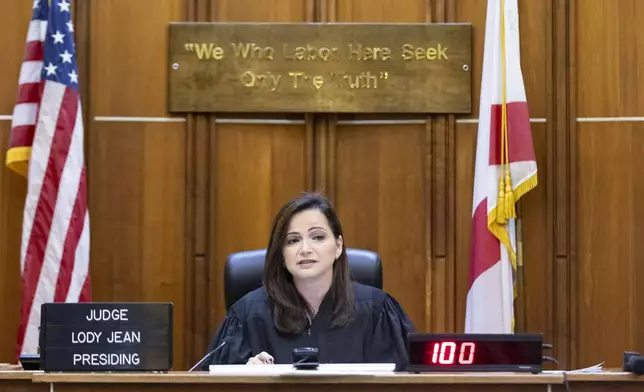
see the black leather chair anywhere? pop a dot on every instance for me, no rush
(244, 271)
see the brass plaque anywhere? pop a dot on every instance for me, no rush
(320, 67)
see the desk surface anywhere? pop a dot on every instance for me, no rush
(384, 378)
(26, 381)
(605, 377)
(395, 378)
(15, 375)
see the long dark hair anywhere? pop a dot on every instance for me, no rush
(291, 313)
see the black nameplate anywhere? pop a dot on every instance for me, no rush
(106, 336)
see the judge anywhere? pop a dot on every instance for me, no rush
(309, 300)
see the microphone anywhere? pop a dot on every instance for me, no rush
(633, 362)
(208, 355)
(305, 358)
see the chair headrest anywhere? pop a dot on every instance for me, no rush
(244, 271)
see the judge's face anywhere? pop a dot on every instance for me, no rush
(310, 248)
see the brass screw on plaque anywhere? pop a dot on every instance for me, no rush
(465, 67)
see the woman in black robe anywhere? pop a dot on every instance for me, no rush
(309, 300)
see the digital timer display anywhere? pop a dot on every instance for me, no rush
(445, 353)
(475, 352)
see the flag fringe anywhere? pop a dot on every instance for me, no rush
(510, 207)
(499, 230)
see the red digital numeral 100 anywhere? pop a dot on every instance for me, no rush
(444, 353)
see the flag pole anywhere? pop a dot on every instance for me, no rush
(521, 319)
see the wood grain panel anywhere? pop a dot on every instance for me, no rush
(380, 200)
(136, 170)
(257, 169)
(197, 190)
(137, 173)
(13, 189)
(442, 184)
(374, 11)
(254, 168)
(374, 166)
(609, 79)
(129, 53)
(610, 312)
(262, 11)
(561, 164)
(15, 22)
(609, 58)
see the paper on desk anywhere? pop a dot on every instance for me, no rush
(590, 369)
(337, 369)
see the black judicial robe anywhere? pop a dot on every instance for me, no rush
(376, 334)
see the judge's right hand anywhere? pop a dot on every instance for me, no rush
(262, 358)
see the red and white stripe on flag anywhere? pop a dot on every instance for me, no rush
(505, 170)
(46, 146)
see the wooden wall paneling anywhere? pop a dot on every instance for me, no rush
(15, 22)
(573, 195)
(442, 208)
(535, 35)
(203, 133)
(12, 197)
(191, 322)
(198, 175)
(192, 337)
(561, 184)
(81, 20)
(264, 11)
(443, 270)
(609, 80)
(377, 11)
(428, 189)
(379, 166)
(381, 178)
(572, 269)
(258, 166)
(198, 183)
(607, 245)
(324, 160)
(137, 244)
(466, 133)
(136, 165)
(310, 119)
(255, 164)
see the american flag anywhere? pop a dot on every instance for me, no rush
(46, 146)
(506, 169)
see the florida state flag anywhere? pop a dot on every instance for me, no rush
(506, 170)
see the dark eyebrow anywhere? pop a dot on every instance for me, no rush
(311, 229)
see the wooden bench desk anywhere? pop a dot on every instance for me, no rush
(19, 381)
(202, 381)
